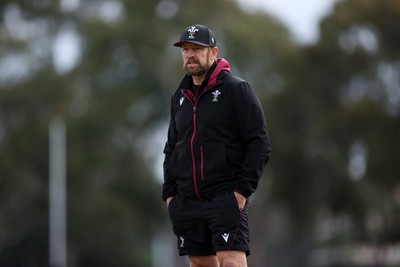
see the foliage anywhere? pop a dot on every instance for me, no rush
(335, 129)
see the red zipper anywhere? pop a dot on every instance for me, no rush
(193, 157)
(202, 163)
(193, 99)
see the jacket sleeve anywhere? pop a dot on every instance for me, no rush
(250, 121)
(169, 187)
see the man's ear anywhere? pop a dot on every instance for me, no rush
(214, 52)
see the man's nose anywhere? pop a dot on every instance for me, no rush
(190, 53)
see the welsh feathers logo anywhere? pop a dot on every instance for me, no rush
(215, 95)
(192, 32)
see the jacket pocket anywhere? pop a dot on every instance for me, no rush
(213, 162)
(202, 163)
(180, 162)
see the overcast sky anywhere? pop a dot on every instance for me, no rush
(301, 17)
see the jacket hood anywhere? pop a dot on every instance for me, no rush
(219, 66)
(222, 65)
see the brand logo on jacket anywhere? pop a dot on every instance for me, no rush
(216, 93)
(192, 31)
(181, 101)
(182, 241)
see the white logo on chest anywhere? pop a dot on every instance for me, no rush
(216, 93)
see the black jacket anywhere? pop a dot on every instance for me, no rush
(217, 138)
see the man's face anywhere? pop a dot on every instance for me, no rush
(197, 59)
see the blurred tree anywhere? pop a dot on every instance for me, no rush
(335, 130)
(113, 198)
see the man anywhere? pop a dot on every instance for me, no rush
(215, 153)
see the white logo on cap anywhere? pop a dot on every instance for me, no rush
(192, 31)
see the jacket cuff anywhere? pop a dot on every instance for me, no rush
(242, 187)
(168, 192)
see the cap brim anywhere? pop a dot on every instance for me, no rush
(179, 44)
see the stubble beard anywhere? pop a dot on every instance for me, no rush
(201, 70)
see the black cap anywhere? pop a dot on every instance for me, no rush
(198, 34)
